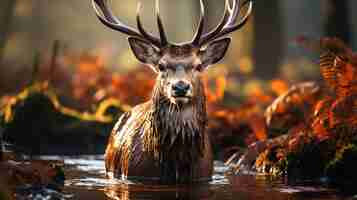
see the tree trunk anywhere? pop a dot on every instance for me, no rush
(337, 22)
(353, 15)
(1, 140)
(6, 15)
(268, 49)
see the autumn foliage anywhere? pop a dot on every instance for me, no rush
(313, 127)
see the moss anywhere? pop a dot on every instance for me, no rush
(39, 96)
(309, 162)
(341, 170)
(35, 120)
(312, 160)
(111, 108)
(306, 161)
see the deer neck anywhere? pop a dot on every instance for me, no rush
(176, 131)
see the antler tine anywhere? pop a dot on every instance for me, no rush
(227, 24)
(197, 37)
(160, 25)
(233, 27)
(234, 12)
(112, 22)
(207, 37)
(109, 19)
(146, 35)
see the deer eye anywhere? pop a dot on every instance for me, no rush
(161, 67)
(199, 67)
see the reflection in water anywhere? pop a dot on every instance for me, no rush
(158, 192)
(86, 180)
(245, 187)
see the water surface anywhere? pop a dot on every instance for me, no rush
(85, 179)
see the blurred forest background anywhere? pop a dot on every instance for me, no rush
(264, 49)
(65, 79)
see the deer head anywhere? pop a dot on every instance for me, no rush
(178, 65)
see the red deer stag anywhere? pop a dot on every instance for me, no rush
(164, 139)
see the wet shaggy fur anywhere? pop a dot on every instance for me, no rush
(160, 136)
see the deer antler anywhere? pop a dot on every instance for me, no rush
(107, 18)
(227, 24)
(197, 37)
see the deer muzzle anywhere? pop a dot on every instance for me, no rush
(181, 92)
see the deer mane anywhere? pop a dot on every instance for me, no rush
(175, 131)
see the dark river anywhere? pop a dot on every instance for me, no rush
(85, 180)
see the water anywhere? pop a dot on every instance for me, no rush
(86, 180)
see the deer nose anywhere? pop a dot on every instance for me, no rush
(180, 88)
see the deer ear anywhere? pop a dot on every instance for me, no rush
(214, 52)
(144, 51)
